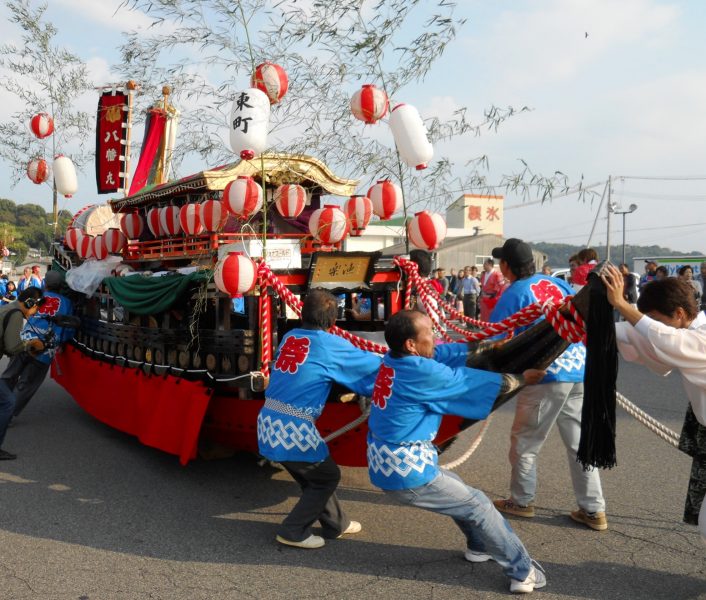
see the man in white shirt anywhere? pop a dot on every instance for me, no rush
(665, 331)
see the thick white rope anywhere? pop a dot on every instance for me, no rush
(669, 436)
(471, 449)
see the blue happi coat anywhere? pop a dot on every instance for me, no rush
(308, 363)
(411, 396)
(38, 326)
(569, 367)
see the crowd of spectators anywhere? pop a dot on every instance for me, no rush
(31, 277)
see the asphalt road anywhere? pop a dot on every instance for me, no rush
(88, 513)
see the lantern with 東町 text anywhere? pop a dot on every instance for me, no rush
(329, 224)
(410, 136)
(100, 251)
(42, 125)
(114, 240)
(169, 220)
(427, 230)
(38, 170)
(64, 176)
(190, 219)
(213, 215)
(243, 197)
(369, 104)
(249, 120)
(271, 79)
(235, 274)
(73, 237)
(386, 198)
(290, 200)
(132, 225)
(153, 222)
(359, 209)
(84, 249)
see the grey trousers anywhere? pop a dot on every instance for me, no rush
(318, 482)
(24, 374)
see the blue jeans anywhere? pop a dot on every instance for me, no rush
(7, 405)
(485, 528)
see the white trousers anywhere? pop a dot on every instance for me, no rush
(538, 408)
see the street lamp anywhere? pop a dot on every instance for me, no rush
(632, 208)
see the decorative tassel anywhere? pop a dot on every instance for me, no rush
(597, 445)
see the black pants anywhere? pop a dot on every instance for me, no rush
(469, 305)
(24, 375)
(318, 482)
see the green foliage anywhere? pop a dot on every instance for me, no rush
(24, 226)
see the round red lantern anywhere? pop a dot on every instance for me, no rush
(73, 237)
(271, 79)
(328, 224)
(42, 125)
(213, 215)
(153, 222)
(132, 225)
(235, 274)
(386, 198)
(369, 104)
(38, 170)
(359, 209)
(243, 197)
(169, 220)
(290, 200)
(84, 249)
(190, 219)
(427, 230)
(410, 136)
(114, 240)
(100, 251)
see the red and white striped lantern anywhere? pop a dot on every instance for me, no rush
(235, 274)
(114, 240)
(427, 230)
(100, 250)
(213, 215)
(42, 125)
(38, 170)
(369, 104)
(65, 178)
(153, 222)
(73, 237)
(243, 197)
(169, 220)
(359, 209)
(132, 225)
(290, 200)
(190, 219)
(386, 198)
(84, 249)
(410, 136)
(271, 79)
(328, 224)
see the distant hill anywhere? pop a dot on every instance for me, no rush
(558, 254)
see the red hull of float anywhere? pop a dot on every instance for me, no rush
(170, 413)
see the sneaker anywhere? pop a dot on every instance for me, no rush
(596, 521)
(535, 580)
(5, 455)
(477, 557)
(353, 527)
(508, 507)
(313, 541)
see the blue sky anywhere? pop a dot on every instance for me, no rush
(628, 100)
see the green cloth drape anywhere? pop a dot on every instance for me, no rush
(151, 295)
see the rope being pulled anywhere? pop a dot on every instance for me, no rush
(669, 436)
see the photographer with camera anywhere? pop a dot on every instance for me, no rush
(52, 325)
(12, 316)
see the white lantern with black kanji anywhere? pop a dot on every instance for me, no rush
(190, 219)
(65, 176)
(427, 230)
(42, 125)
(410, 136)
(249, 122)
(329, 224)
(169, 220)
(271, 79)
(369, 104)
(290, 200)
(38, 170)
(73, 237)
(153, 222)
(243, 197)
(235, 274)
(213, 215)
(132, 225)
(386, 198)
(359, 209)
(114, 240)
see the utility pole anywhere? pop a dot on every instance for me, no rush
(610, 210)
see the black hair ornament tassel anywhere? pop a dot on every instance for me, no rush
(597, 445)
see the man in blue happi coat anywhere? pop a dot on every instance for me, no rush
(309, 360)
(417, 384)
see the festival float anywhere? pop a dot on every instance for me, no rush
(194, 281)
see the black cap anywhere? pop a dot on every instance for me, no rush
(514, 252)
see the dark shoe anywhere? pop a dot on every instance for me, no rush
(5, 455)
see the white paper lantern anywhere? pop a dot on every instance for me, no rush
(249, 121)
(190, 219)
(359, 209)
(290, 200)
(38, 170)
(272, 80)
(369, 104)
(169, 220)
(410, 136)
(115, 240)
(153, 222)
(100, 251)
(213, 215)
(427, 230)
(386, 198)
(243, 197)
(132, 225)
(235, 274)
(328, 224)
(65, 176)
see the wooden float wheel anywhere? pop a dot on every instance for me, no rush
(211, 362)
(183, 359)
(243, 363)
(137, 352)
(196, 360)
(172, 358)
(149, 355)
(226, 365)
